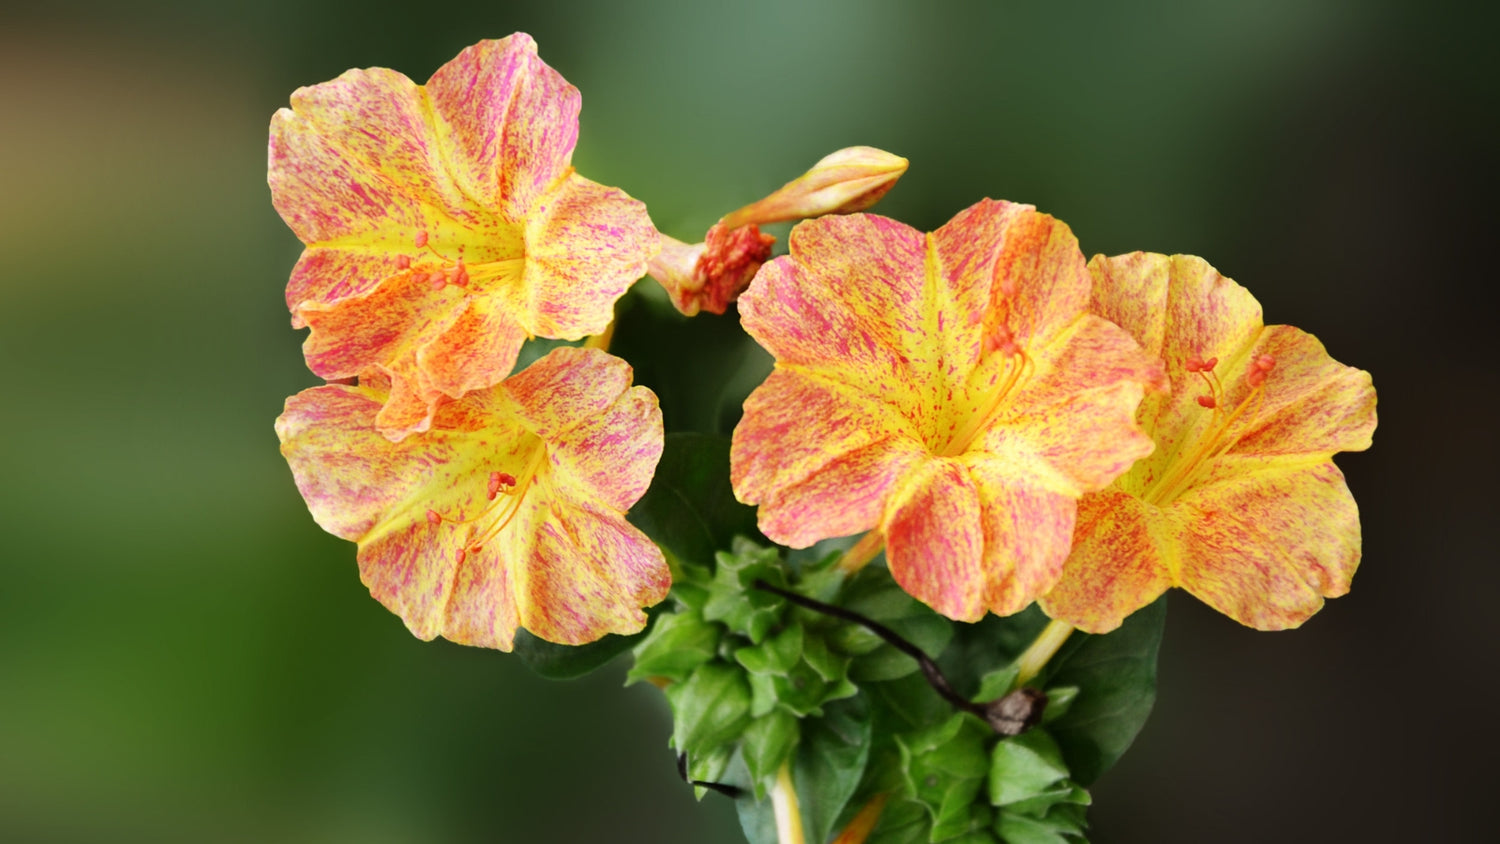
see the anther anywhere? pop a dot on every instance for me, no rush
(421, 239)
(459, 555)
(403, 262)
(434, 517)
(1197, 364)
(498, 480)
(1208, 401)
(459, 275)
(437, 280)
(1002, 340)
(1260, 367)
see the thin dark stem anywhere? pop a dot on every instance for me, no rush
(929, 668)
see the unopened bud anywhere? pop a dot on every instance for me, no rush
(850, 180)
(710, 275)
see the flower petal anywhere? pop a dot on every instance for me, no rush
(574, 386)
(847, 299)
(935, 541)
(1028, 530)
(511, 120)
(587, 573)
(1073, 423)
(585, 245)
(1267, 548)
(1118, 563)
(388, 322)
(476, 349)
(612, 456)
(1313, 404)
(812, 453)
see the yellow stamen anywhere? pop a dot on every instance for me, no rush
(1209, 448)
(513, 504)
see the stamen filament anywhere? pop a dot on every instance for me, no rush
(513, 505)
(1015, 367)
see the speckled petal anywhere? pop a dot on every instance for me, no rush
(816, 454)
(1266, 548)
(935, 540)
(387, 323)
(552, 552)
(511, 120)
(585, 245)
(1117, 565)
(1028, 530)
(847, 299)
(476, 349)
(1074, 419)
(1313, 404)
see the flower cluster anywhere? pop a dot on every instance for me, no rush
(1011, 422)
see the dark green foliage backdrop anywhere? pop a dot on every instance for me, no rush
(184, 656)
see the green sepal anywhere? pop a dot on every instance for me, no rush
(777, 655)
(677, 644)
(711, 708)
(1059, 701)
(735, 601)
(1116, 677)
(1022, 829)
(709, 767)
(767, 743)
(1024, 766)
(945, 768)
(996, 684)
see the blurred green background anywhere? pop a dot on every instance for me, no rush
(184, 656)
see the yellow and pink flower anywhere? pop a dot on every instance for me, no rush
(949, 390)
(508, 512)
(444, 225)
(1240, 504)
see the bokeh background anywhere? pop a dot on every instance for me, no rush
(184, 656)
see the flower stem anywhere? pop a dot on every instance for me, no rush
(864, 823)
(862, 552)
(1032, 660)
(788, 813)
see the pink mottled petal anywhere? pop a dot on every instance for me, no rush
(1076, 417)
(845, 496)
(797, 425)
(328, 274)
(1313, 404)
(386, 323)
(410, 404)
(481, 608)
(612, 456)
(477, 349)
(585, 245)
(1028, 530)
(1174, 306)
(848, 299)
(565, 388)
(409, 566)
(1266, 548)
(1116, 565)
(935, 541)
(1002, 242)
(588, 573)
(512, 120)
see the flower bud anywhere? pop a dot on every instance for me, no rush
(710, 275)
(852, 179)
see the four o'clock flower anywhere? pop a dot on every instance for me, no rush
(1241, 504)
(949, 390)
(444, 224)
(507, 512)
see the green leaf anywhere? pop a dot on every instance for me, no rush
(1020, 829)
(678, 643)
(1024, 766)
(690, 509)
(945, 766)
(827, 767)
(709, 709)
(1116, 677)
(990, 644)
(777, 655)
(1059, 701)
(768, 742)
(566, 662)
(733, 599)
(996, 684)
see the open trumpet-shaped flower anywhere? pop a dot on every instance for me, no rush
(444, 224)
(947, 389)
(508, 512)
(1241, 504)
